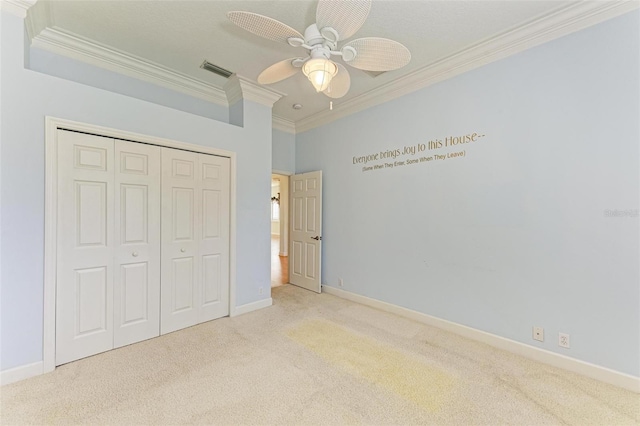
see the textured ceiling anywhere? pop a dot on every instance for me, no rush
(181, 34)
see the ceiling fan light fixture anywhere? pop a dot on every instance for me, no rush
(320, 71)
(335, 21)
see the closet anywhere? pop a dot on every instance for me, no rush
(143, 242)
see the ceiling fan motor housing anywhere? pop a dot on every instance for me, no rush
(312, 35)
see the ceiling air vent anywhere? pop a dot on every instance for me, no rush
(215, 69)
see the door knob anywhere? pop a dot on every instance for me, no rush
(317, 238)
(182, 250)
(134, 254)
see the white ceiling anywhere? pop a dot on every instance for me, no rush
(179, 35)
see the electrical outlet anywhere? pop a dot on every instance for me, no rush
(260, 290)
(340, 282)
(538, 334)
(563, 340)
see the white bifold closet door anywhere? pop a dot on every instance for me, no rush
(84, 282)
(108, 274)
(195, 238)
(136, 307)
(142, 242)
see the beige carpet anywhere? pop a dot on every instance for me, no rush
(314, 359)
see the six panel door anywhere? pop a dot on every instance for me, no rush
(214, 241)
(129, 214)
(136, 308)
(180, 296)
(306, 230)
(84, 290)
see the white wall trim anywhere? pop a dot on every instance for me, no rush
(18, 8)
(253, 306)
(38, 18)
(65, 43)
(51, 141)
(238, 87)
(284, 125)
(20, 373)
(593, 371)
(556, 24)
(544, 29)
(61, 42)
(256, 93)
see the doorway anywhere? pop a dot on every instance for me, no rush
(279, 229)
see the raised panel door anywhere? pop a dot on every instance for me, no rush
(181, 228)
(137, 242)
(306, 230)
(85, 269)
(214, 236)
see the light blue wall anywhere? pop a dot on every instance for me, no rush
(70, 69)
(283, 151)
(514, 234)
(26, 98)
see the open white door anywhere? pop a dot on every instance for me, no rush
(306, 230)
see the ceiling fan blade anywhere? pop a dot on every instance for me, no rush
(263, 26)
(378, 54)
(278, 72)
(340, 84)
(346, 17)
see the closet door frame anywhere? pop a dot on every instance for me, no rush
(52, 125)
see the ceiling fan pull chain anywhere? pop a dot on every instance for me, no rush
(330, 105)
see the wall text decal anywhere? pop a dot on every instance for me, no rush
(419, 153)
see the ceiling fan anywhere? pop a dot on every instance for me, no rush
(336, 20)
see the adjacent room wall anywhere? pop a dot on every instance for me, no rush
(275, 189)
(534, 224)
(26, 98)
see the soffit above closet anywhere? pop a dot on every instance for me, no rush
(179, 35)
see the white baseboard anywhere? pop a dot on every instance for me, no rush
(37, 368)
(250, 307)
(616, 378)
(20, 373)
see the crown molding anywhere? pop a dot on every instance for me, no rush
(233, 90)
(38, 18)
(284, 125)
(238, 88)
(18, 8)
(67, 44)
(544, 29)
(256, 93)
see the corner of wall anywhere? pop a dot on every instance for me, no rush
(238, 90)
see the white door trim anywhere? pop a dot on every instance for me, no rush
(52, 125)
(280, 172)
